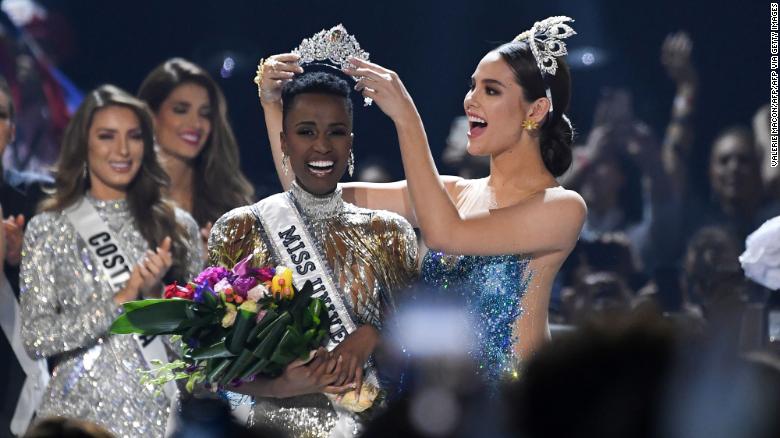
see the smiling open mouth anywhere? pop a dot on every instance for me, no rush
(320, 167)
(477, 126)
(120, 166)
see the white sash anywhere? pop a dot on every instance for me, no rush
(36, 370)
(115, 265)
(294, 247)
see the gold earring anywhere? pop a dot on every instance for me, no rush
(530, 124)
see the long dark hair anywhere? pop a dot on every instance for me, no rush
(154, 216)
(219, 184)
(556, 134)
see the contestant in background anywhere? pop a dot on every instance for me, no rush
(106, 236)
(196, 145)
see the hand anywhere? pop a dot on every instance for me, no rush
(205, 232)
(676, 57)
(14, 236)
(354, 351)
(148, 273)
(384, 87)
(314, 375)
(278, 70)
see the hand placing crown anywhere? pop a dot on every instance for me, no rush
(333, 48)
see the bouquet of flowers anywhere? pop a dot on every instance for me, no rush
(234, 324)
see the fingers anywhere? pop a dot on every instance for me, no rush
(166, 244)
(334, 389)
(367, 73)
(368, 64)
(358, 381)
(20, 220)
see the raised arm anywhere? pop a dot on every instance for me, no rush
(551, 224)
(678, 141)
(280, 69)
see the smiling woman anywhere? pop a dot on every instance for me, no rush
(196, 143)
(361, 258)
(105, 236)
(497, 241)
(317, 135)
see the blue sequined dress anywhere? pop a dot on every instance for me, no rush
(492, 288)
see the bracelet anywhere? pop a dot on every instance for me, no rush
(259, 77)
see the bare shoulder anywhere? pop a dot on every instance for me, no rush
(561, 204)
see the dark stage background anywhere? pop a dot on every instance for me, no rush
(434, 46)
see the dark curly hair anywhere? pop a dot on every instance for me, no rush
(556, 134)
(315, 82)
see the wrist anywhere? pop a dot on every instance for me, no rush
(267, 101)
(407, 118)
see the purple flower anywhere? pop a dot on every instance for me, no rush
(242, 268)
(243, 284)
(193, 343)
(200, 289)
(212, 274)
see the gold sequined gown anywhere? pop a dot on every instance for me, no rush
(372, 255)
(67, 308)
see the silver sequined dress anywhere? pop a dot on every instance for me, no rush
(372, 254)
(67, 306)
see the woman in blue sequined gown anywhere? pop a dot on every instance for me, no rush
(516, 226)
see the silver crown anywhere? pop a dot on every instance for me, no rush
(335, 45)
(549, 34)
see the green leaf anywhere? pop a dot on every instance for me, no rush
(239, 365)
(237, 338)
(153, 317)
(255, 369)
(271, 335)
(214, 351)
(219, 367)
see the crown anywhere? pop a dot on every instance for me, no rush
(335, 45)
(549, 34)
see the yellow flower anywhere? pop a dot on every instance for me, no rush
(282, 284)
(230, 315)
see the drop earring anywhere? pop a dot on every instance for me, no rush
(351, 163)
(285, 164)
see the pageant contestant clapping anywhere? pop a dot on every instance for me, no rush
(197, 147)
(104, 237)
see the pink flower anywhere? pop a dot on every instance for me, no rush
(257, 293)
(266, 274)
(212, 274)
(242, 268)
(243, 284)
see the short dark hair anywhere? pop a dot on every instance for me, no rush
(5, 89)
(317, 82)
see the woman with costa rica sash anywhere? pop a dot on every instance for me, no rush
(105, 236)
(354, 257)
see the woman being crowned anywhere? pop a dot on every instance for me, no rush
(354, 257)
